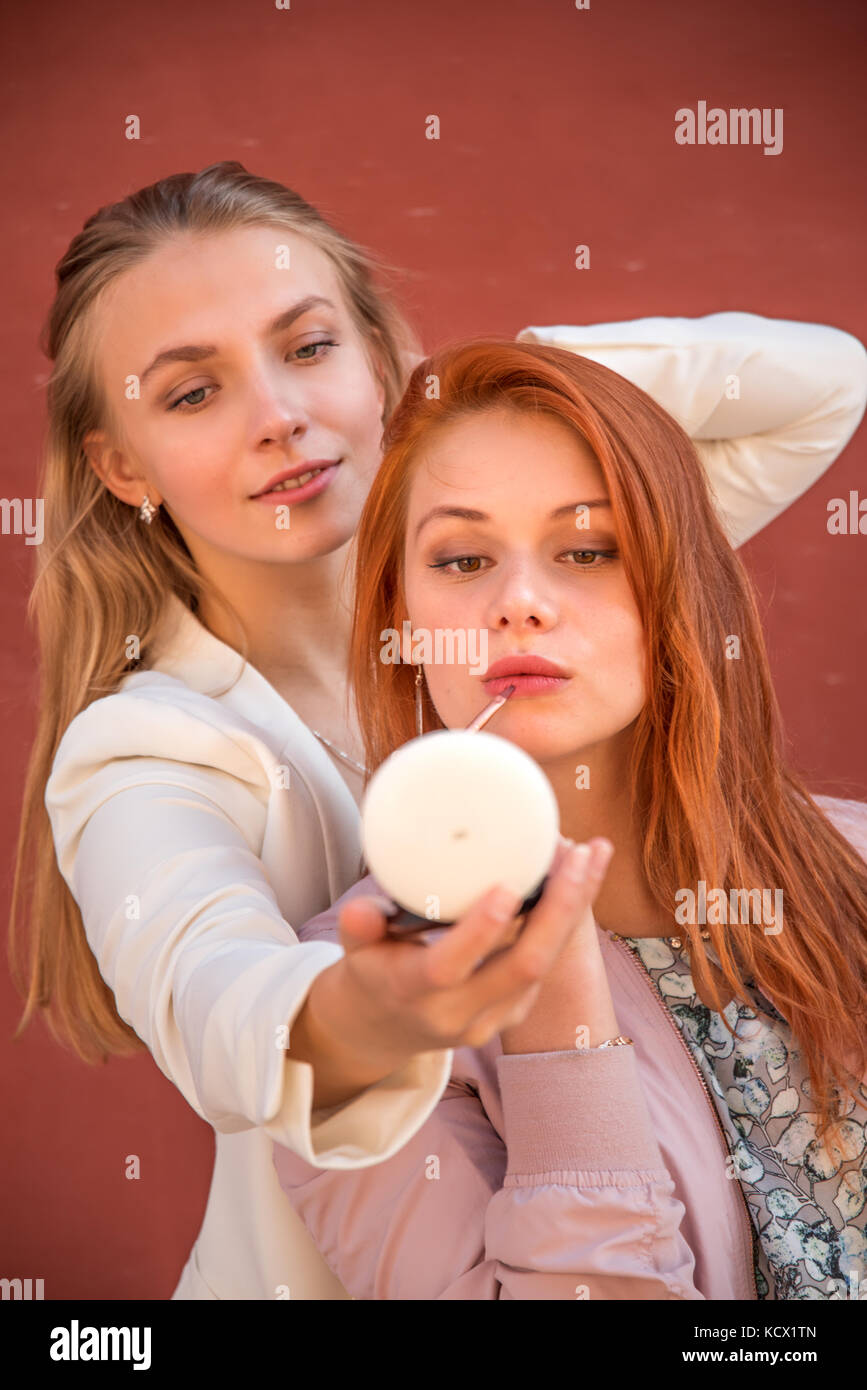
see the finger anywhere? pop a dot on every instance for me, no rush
(504, 939)
(548, 928)
(451, 959)
(361, 922)
(563, 846)
(481, 932)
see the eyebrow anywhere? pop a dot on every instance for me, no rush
(470, 514)
(197, 352)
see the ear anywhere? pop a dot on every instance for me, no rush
(117, 472)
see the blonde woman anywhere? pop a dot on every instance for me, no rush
(192, 794)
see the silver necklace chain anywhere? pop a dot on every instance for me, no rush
(339, 752)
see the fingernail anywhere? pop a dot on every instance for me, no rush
(575, 863)
(502, 904)
(602, 853)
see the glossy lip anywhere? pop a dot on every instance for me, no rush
(524, 664)
(295, 473)
(525, 685)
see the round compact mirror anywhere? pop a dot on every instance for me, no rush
(449, 815)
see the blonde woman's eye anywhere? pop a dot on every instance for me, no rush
(457, 560)
(326, 343)
(192, 405)
(188, 406)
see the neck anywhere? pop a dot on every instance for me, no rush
(296, 617)
(624, 903)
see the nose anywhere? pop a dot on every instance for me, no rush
(277, 408)
(520, 601)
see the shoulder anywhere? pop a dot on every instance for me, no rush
(849, 817)
(156, 733)
(154, 715)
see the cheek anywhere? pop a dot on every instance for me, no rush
(431, 608)
(358, 415)
(200, 492)
(627, 659)
(616, 651)
(434, 605)
(417, 593)
(198, 484)
(191, 466)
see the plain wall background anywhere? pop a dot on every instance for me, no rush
(557, 129)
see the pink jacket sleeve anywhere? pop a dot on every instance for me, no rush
(565, 1196)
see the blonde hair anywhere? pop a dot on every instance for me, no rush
(100, 574)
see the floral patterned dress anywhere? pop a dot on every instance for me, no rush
(807, 1200)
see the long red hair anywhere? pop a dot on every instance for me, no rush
(711, 787)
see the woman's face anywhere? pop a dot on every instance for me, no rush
(532, 582)
(205, 436)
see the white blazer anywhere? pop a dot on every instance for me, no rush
(197, 820)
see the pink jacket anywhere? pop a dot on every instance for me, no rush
(553, 1175)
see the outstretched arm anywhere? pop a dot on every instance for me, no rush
(158, 816)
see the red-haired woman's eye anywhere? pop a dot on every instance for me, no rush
(603, 555)
(456, 560)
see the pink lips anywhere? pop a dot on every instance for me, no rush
(525, 685)
(293, 495)
(530, 675)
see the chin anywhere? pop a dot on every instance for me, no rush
(535, 736)
(309, 541)
(545, 738)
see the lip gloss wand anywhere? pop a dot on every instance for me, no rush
(497, 703)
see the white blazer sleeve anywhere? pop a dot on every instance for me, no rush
(157, 817)
(801, 392)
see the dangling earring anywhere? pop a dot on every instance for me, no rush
(147, 511)
(419, 711)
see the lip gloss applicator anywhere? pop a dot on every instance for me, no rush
(451, 813)
(481, 719)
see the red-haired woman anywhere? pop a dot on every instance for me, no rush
(707, 1137)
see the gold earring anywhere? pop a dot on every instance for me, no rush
(419, 710)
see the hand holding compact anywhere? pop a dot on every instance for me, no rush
(391, 999)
